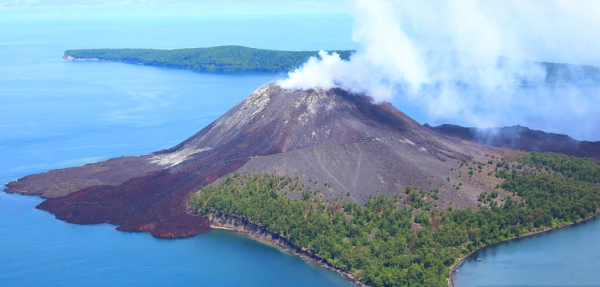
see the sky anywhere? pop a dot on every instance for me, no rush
(24, 9)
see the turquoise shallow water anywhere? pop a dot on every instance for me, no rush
(56, 114)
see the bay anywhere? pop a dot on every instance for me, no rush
(568, 256)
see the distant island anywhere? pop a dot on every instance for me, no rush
(222, 58)
(238, 58)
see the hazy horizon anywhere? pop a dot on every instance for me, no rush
(569, 110)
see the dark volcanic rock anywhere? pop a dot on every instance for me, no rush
(60, 182)
(522, 138)
(332, 136)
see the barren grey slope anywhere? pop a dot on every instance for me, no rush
(359, 148)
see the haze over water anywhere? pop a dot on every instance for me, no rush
(57, 114)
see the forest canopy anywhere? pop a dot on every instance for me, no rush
(386, 243)
(223, 58)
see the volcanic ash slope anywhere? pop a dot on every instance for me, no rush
(323, 136)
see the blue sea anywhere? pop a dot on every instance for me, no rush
(56, 114)
(569, 256)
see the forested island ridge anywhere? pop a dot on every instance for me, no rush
(222, 58)
(239, 58)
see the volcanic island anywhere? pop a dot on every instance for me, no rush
(386, 188)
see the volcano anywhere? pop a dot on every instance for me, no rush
(359, 148)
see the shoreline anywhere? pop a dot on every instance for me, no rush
(233, 223)
(463, 259)
(250, 237)
(70, 58)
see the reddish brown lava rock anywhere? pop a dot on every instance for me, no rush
(356, 146)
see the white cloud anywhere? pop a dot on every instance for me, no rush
(460, 58)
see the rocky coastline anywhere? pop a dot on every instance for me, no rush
(256, 231)
(71, 58)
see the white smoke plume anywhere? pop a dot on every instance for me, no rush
(466, 59)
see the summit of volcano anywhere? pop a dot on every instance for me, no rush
(361, 149)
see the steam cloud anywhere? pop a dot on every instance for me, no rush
(465, 59)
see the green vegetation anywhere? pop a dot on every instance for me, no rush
(223, 58)
(237, 58)
(415, 245)
(582, 169)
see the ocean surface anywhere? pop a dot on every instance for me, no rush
(568, 256)
(56, 114)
